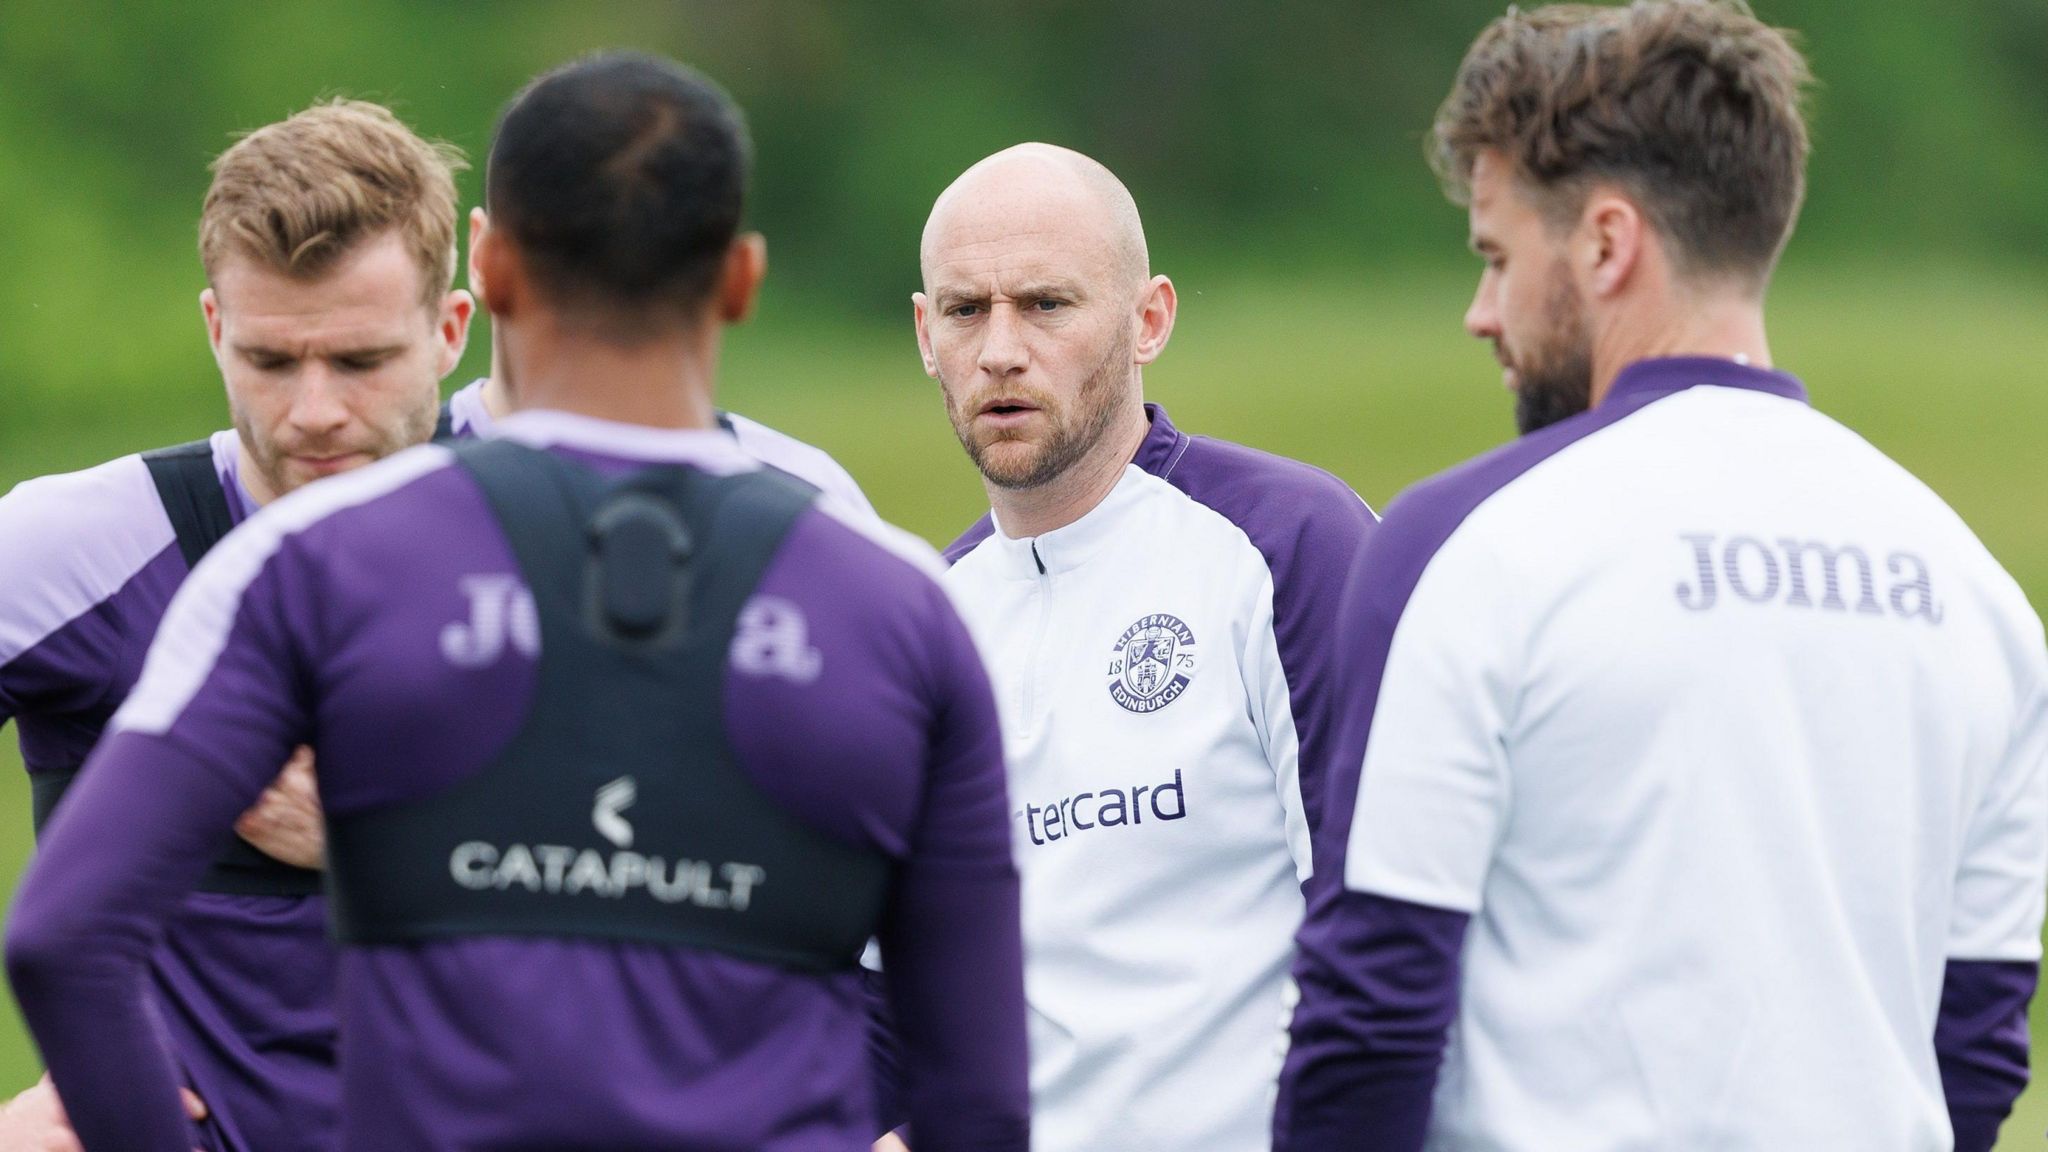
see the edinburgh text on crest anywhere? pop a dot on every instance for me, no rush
(1151, 664)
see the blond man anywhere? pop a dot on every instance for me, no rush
(328, 242)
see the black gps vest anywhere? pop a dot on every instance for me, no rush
(618, 812)
(189, 488)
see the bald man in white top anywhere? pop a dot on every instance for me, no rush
(1154, 611)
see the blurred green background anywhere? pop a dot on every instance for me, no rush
(1275, 151)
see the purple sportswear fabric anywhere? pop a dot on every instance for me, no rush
(329, 627)
(242, 986)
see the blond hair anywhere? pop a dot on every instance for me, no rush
(298, 194)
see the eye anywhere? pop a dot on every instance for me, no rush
(1048, 305)
(358, 363)
(964, 311)
(267, 363)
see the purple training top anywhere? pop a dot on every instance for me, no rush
(243, 985)
(367, 616)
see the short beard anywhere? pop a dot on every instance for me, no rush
(415, 426)
(1555, 380)
(1103, 399)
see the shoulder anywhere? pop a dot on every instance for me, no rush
(1305, 523)
(842, 544)
(806, 462)
(969, 540)
(874, 586)
(1425, 516)
(70, 541)
(393, 503)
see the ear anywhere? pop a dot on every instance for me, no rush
(209, 308)
(452, 325)
(499, 274)
(1608, 247)
(920, 317)
(479, 223)
(739, 283)
(1156, 310)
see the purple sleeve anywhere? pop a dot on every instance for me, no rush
(133, 836)
(1379, 989)
(151, 809)
(952, 947)
(861, 652)
(1308, 526)
(1980, 1042)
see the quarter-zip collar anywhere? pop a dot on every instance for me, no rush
(1067, 548)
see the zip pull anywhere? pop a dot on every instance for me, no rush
(1036, 559)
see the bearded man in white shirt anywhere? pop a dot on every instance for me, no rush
(1154, 608)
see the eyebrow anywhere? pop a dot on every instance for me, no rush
(1034, 290)
(370, 352)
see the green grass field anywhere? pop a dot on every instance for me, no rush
(1371, 379)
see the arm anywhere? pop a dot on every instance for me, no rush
(1980, 1036)
(286, 823)
(1418, 795)
(1379, 990)
(34, 1120)
(951, 937)
(197, 742)
(1291, 650)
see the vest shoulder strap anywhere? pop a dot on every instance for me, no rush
(192, 496)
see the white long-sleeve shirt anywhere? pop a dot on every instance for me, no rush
(1730, 741)
(1158, 665)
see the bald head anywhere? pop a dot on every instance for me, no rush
(1036, 187)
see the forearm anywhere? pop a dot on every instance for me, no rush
(1980, 1043)
(953, 966)
(133, 835)
(1379, 990)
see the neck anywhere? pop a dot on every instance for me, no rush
(663, 382)
(1028, 512)
(250, 476)
(1726, 325)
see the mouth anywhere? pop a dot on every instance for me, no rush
(1004, 410)
(328, 465)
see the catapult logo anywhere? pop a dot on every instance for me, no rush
(613, 799)
(1151, 663)
(558, 869)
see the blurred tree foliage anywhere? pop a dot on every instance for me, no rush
(1276, 136)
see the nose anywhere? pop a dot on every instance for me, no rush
(318, 406)
(1482, 317)
(1002, 343)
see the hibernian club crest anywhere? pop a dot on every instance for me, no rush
(1150, 666)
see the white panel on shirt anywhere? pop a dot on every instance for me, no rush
(1156, 952)
(1750, 803)
(69, 542)
(196, 625)
(812, 465)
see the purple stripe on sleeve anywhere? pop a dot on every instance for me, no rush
(1980, 1041)
(1308, 525)
(1379, 982)
(971, 539)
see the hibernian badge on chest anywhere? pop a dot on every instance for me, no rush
(1151, 663)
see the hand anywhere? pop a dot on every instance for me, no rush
(34, 1121)
(890, 1142)
(285, 823)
